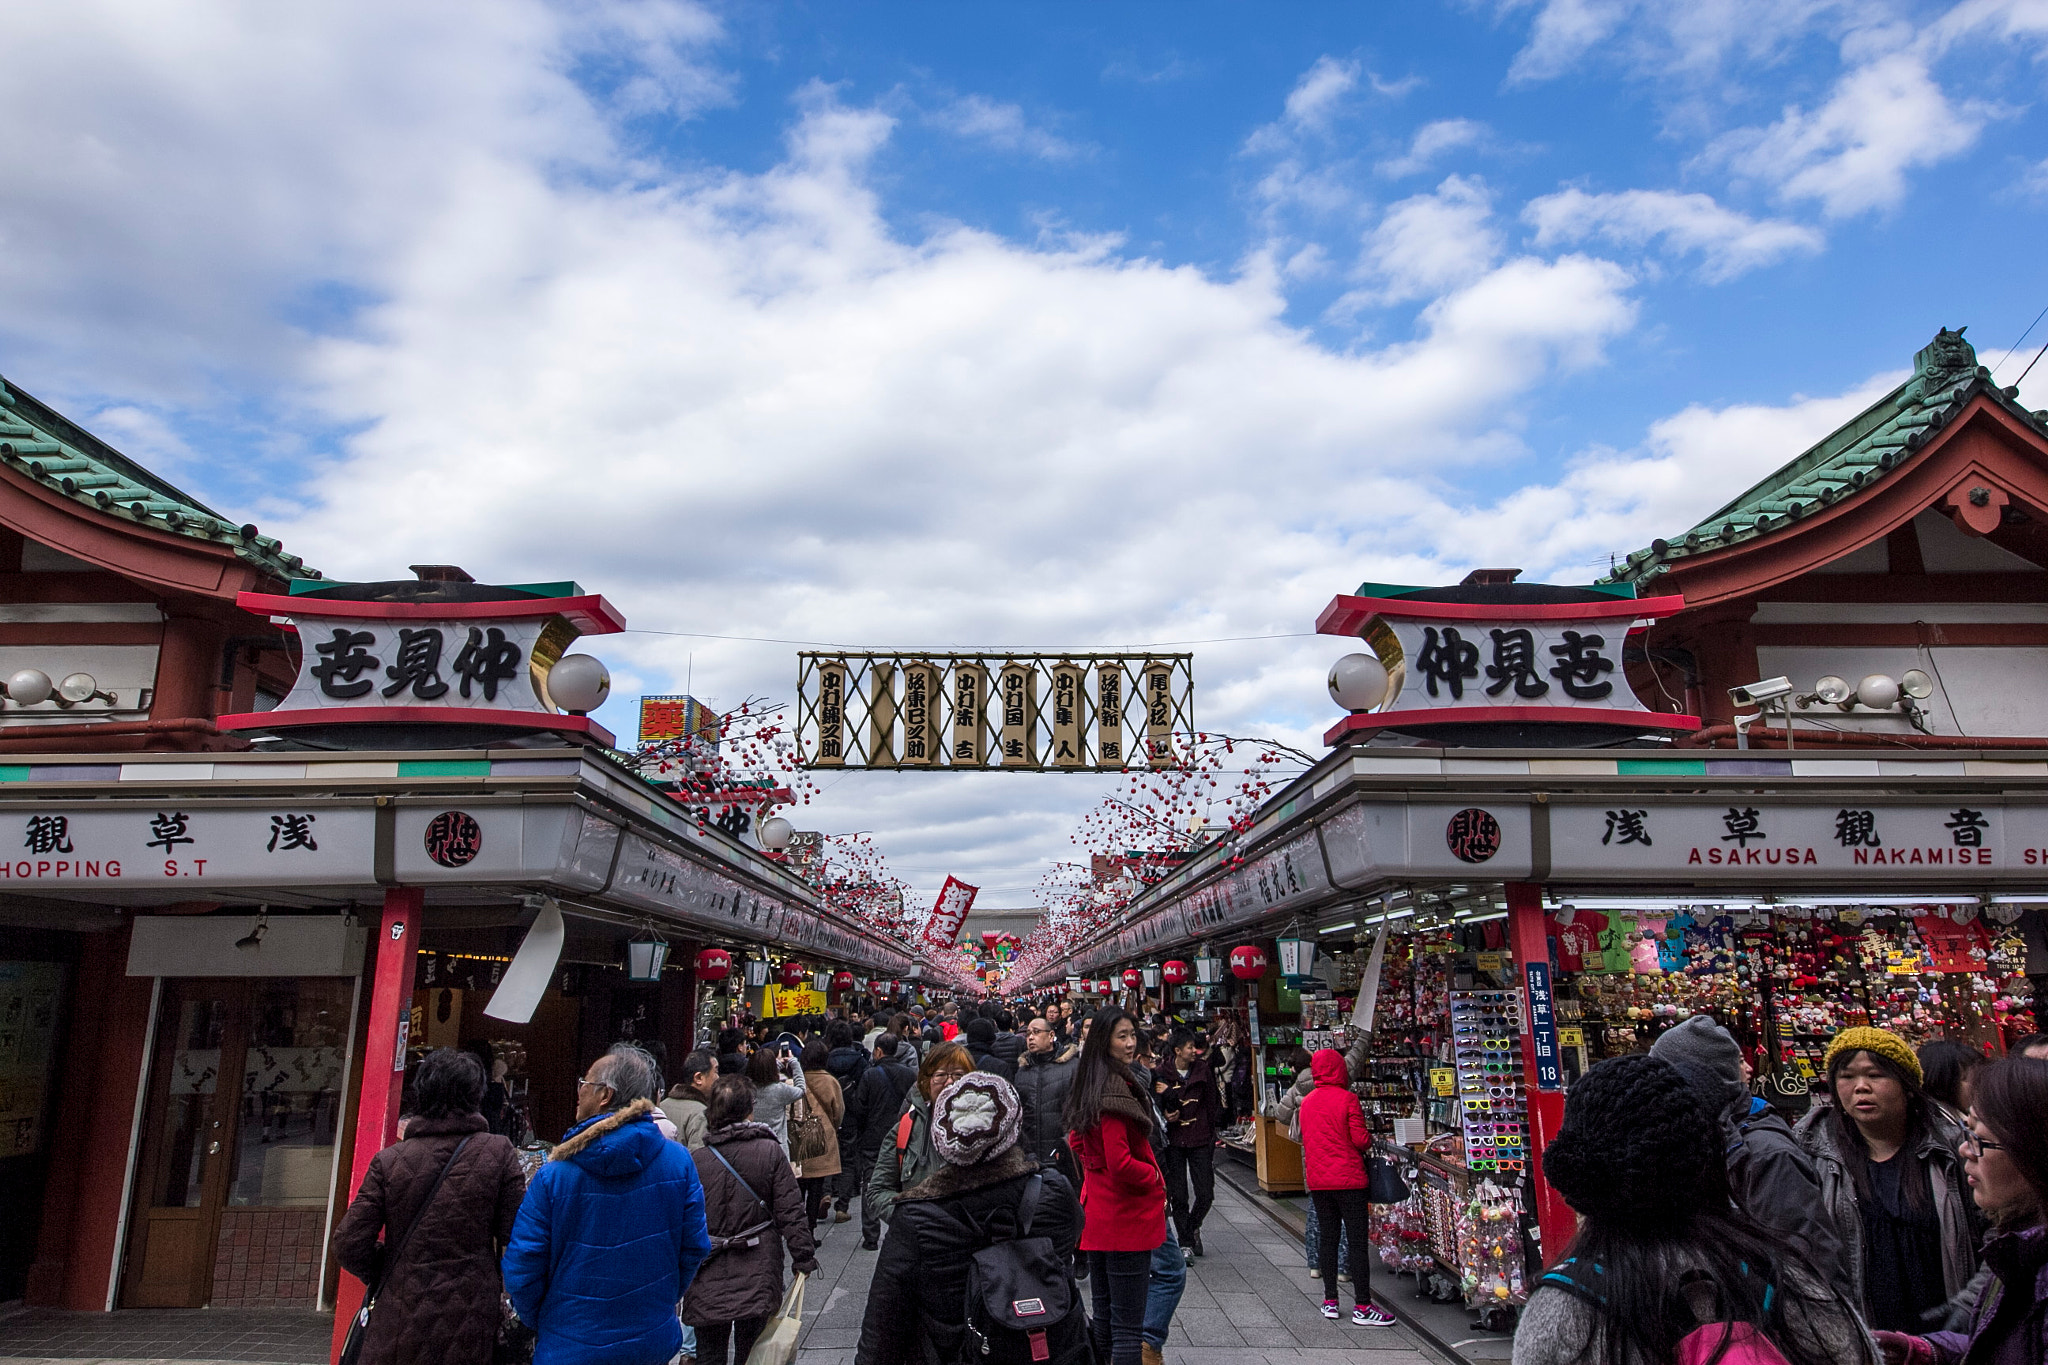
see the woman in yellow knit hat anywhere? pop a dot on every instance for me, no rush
(1892, 1181)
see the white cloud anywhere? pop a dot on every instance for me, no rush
(743, 403)
(1728, 242)
(1564, 31)
(1004, 127)
(1696, 41)
(1881, 120)
(1428, 244)
(1319, 93)
(1431, 141)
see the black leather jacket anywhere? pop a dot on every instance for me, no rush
(1042, 1084)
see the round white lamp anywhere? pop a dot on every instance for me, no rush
(1358, 682)
(1878, 691)
(775, 833)
(579, 684)
(29, 687)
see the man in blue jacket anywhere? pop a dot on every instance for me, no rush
(612, 1229)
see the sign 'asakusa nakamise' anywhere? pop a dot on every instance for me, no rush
(1493, 663)
(441, 662)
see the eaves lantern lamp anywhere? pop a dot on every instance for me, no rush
(1174, 973)
(757, 972)
(1297, 954)
(646, 956)
(1208, 967)
(793, 974)
(1073, 985)
(1151, 977)
(821, 981)
(1133, 978)
(1248, 962)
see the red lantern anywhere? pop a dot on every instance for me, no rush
(794, 975)
(1248, 962)
(842, 981)
(1133, 978)
(1102, 988)
(1174, 973)
(714, 964)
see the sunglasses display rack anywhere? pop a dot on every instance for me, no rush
(1486, 1052)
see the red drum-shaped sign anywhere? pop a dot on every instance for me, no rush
(794, 975)
(1174, 973)
(714, 964)
(1248, 962)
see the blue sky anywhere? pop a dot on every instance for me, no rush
(937, 325)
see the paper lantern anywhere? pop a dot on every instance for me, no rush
(1103, 988)
(793, 974)
(1175, 973)
(714, 964)
(842, 981)
(1133, 978)
(1248, 962)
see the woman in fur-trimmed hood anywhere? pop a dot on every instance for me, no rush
(916, 1301)
(755, 1211)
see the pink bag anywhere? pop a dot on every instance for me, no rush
(1746, 1346)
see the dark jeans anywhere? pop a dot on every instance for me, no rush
(846, 1185)
(711, 1340)
(870, 1216)
(1118, 1282)
(815, 1189)
(1182, 1165)
(1344, 1212)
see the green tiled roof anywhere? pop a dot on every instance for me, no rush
(1852, 459)
(64, 457)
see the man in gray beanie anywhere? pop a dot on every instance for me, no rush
(1769, 1173)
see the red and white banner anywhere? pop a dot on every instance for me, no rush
(956, 898)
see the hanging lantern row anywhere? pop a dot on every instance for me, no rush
(714, 964)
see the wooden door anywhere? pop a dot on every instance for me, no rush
(188, 1144)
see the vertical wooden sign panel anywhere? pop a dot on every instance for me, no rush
(882, 716)
(831, 714)
(1109, 712)
(1069, 746)
(970, 731)
(1157, 680)
(1017, 702)
(922, 744)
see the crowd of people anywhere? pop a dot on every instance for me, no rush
(1067, 1164)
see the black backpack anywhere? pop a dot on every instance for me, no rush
(1022, 1305)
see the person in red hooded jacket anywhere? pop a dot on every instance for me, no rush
(1123, 1193)
(1334, 1141)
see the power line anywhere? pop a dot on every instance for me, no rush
(962, 649)
(2021, 342)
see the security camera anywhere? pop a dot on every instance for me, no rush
(1756, 693)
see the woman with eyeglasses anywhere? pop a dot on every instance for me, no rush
(1123, 1192)
(2005, 1158)
(906, 1155)
(1891, 1182)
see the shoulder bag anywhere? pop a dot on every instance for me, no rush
(358, 1328)
(747, 1236)
(809, 1136)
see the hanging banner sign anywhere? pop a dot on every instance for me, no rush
(1543, 1027)
(1022, 712)
(1470, 663)
(956, 898)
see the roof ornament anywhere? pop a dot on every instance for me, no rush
(1938, 367)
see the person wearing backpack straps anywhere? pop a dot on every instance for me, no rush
(754, 1210)
(1664, 1269)
(444, 1198)
(978, 1251)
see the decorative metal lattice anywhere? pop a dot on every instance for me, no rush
(1023, 712)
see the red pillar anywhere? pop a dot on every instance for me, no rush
(1554, 1218)
(397, 943)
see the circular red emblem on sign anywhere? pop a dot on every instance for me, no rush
(454, 838)
(1473, 835)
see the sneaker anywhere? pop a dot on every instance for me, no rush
(1315, 1273)
(1371, 1315)
(1330, 1309)
(1194, 1243)
(842, 1214)
(1343, 1277)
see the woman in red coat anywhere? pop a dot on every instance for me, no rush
(1123, 1194)
(1334, 1141)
